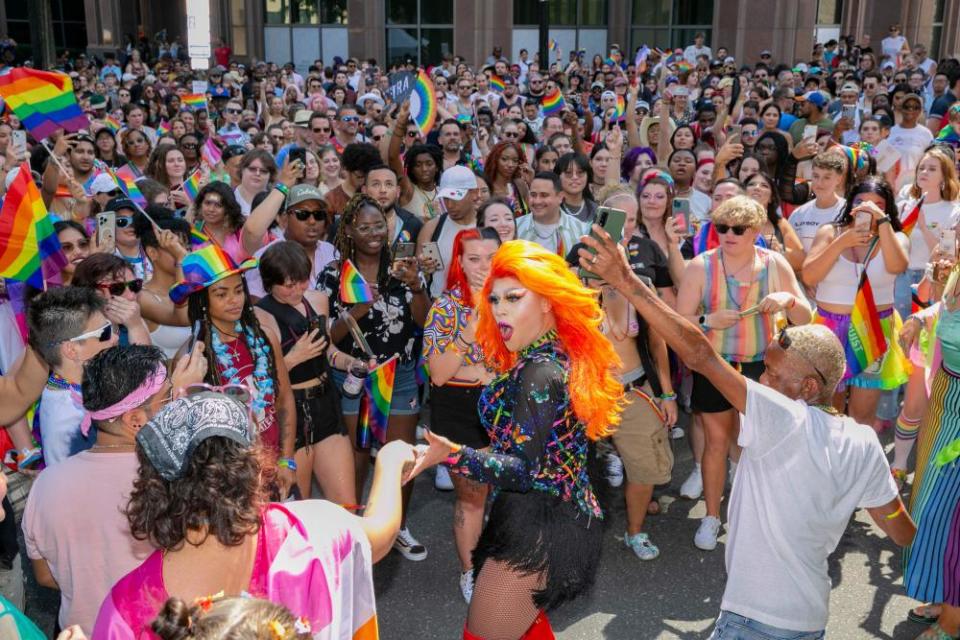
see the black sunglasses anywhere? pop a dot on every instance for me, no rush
(234, 111)
(117, 288)
(783, 339)
(302, 215)
(738, 229)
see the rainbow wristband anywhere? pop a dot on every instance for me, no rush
(282, 188)
(288, 463)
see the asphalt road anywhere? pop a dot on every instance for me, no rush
(675, 596)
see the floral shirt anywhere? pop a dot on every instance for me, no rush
(445, 321)
(388, 327)
(536, 441)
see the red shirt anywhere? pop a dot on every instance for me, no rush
(267, 428)
(222, 55)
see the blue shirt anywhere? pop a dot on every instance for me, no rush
(786, 120)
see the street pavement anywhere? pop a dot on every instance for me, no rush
(675, 596)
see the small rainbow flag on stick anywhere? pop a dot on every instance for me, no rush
(683, 67)
(191, 186)
(113, 124)
(496, 83)
(198, 238)
(909, 221)
(210, 153)
(43, 100)
(621, 113)
(866, 342)
(552, 103)
(29, 248)
(127, 181)
(353, 288)
(423, 103)
(163, 128)
(195, 101)
(375, 404)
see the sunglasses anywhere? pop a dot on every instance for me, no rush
(784, 341)
(302, 215)
(322, 130)
(103, 334)
(738, 229)
(411, 134)
(234, 111)
(350, 119)
(188, 145)
(111, 194)
(239, 392)
(117, 288)
(124, 221)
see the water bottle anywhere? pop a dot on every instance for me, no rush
(353, 385)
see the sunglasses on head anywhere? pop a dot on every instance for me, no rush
(783, 339)
(117, 288)
(303, 214)
(103, 334)
(738, 229)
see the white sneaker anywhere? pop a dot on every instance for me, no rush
(408, 546)
(677, 433)
(732, 473)
(706, 537)
(692, 487)
(466, 585)
(442, 480)
(614, 470)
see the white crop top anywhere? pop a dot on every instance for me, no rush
(840, 285)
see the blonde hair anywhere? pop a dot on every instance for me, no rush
(951, 185)
(742, 210)
(817, 346)
(613, 192)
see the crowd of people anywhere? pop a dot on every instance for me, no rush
(574, 255)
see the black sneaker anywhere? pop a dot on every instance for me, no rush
(408, 546)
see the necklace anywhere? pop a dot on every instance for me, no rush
(726, 279)
(227, 361)
(111, 446)
(826, 408)
(575, 214)
(551, 229)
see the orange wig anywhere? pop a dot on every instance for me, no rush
(596, 394)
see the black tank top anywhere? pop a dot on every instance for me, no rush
(292, 325)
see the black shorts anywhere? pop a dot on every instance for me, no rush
(454, 414)
(706, 399)
(318, 414)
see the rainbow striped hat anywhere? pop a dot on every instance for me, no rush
(204, 267)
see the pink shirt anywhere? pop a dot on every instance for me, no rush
(74, 521)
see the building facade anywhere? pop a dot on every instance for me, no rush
(304, 30)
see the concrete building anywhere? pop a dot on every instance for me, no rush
(303, 30)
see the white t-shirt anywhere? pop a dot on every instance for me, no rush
(691, 52)
(891, 46)
(808, 218)
(910, 143)
(802, 474)
(939, 215)
(700, 205)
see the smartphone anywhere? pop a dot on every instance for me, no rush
(405, 250)
(733, 132)
(681, 211)
(299, 153)
(19, 138)
(319, 324)
(612, 221)
(194, 336)
(849, 112)
(106, 226)
(863, 220)
(948, 241)
(810, 131)
(432, 251)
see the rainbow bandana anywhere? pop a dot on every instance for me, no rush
(204, 267)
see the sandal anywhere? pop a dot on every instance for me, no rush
(935, 632)
(925, 614)
(653, 508)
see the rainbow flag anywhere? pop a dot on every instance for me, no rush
(463, 118)
(948, 134)
(127, 180)
(43, 100)
(29, 248)
(641, 60)
(496, 83)
(909, 221)
(191, 186)
(194, 101)
(375, 404)
(353, 288)
(684, 67)
(198, 238)
(865, 339)
(210, 153)
(552, 103)
(163, 128)
(113, 124)
(552, 44)
(856, 157)
(621, 112)
(423, 109)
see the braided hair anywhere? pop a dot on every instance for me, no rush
(198, 308)
(344, 243)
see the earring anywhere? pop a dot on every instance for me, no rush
(942, 185)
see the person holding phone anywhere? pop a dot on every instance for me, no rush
(733, 294)
(840, 253)
(299, 316)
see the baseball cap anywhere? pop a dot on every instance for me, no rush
(642, 104)
(300, 193)
(220, 92)
(596, 85)
(608, 94)
(766, 52)
(850, 87)
(302, 118)
(729, 60)
(813, 97)
(912, 96)
(98, 102)
(121, 202)
(455, 182)
(370, 96)
(232, 151)
(103, 183)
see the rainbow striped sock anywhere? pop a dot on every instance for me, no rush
(907, 428)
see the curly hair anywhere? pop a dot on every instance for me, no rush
(344, 243)
(222, 490)
(596, 394)
(231, 208)
(236, 618)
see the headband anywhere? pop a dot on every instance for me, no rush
(134, 399)
(656, 173)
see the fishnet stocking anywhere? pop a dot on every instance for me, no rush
(502, 605)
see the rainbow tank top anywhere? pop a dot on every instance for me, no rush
(747, 340)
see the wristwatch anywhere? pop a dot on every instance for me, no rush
(703, 323)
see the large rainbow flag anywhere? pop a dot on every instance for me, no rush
(424, 108)
(375, 404)
(195, 101)
(496, 83)
(865, 339)
(909, 221)
(353, 288)
(43, 100)
(552, 103)
(29, 248)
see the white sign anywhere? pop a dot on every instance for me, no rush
(198, 33)
(198, 86)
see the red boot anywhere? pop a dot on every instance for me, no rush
(539, 630)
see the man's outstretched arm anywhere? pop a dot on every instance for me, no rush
(683, 337)
(22, 387)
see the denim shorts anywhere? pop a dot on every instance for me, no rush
(732, 626)
(406, 393)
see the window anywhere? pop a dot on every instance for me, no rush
(670, 23)
(421, 30)
(829, 16)
(561, 13)
(937, 31)
(294, 12)
(238, 27)
(69, 24)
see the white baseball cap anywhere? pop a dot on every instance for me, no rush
(455, 182)
(103, 183)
